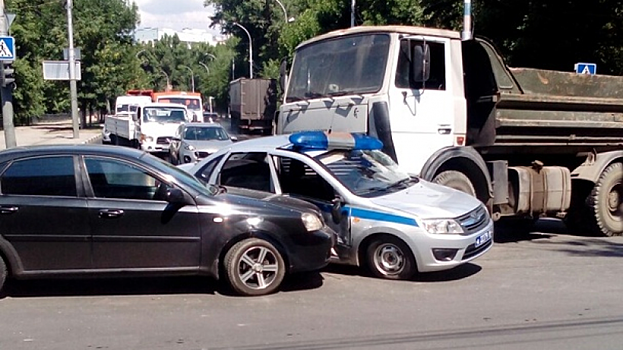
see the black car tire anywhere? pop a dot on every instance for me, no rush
(389, 257)
(254, 279)
(3, 273)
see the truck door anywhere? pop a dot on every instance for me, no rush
(421, 112)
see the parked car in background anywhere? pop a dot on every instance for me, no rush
(93, 210)
(196, 141)
(393, 223)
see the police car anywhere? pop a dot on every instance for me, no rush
(393, 223)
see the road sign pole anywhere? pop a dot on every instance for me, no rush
(73, 90)
(7, 94)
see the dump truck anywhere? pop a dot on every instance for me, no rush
(529, 143)
(252, 105)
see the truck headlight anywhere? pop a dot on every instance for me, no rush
(442, 226)
(146, 138)
(311, 221)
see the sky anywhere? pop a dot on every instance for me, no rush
(175, 14)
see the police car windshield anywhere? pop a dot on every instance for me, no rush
(365, 173)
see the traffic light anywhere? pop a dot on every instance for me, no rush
(7, 73)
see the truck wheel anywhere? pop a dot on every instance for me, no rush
(113, 139)
(606, 201)
(254, 267)
(457, 180)
(390, 258)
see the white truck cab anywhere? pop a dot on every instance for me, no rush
(151, 128)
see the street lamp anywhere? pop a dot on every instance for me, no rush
(285, 13)
(168, 81)
(205, 66)
(192, 77)
(250, 49)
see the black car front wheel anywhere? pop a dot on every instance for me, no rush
(254, 267)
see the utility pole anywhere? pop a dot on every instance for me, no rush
(7, 92)
(73, 89)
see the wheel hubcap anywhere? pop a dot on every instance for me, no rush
(389, 259)
(257, 267)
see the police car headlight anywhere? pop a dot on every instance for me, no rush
(442, 226)
(311, 221)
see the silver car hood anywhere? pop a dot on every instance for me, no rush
(429, 201)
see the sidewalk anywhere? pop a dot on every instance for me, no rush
(51, 133)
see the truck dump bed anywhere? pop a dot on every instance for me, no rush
(533, 107)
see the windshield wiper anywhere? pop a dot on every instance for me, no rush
(312, 94)
(343, 93)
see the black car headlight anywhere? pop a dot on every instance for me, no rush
(311, 222)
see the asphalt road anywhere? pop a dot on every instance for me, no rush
(540, 291)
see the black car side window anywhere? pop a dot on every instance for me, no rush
(247, 170)
(114, 179)
(45, 176)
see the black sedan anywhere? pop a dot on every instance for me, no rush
(94, 210)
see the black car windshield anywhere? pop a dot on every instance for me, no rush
(182, 176)
(205, 133)
(347, 65)
(365, 173)
(164, 114)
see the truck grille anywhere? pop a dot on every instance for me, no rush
(474, 220)
(164, 140)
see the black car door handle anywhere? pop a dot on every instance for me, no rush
(110, 213)
(8, 210)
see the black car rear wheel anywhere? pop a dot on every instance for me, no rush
(254, 267)
(3, 272)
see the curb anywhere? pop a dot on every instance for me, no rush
(94, 139)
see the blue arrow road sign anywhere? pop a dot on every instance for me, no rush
(585, 68)
(7, 48)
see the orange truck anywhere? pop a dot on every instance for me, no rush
(191, 100)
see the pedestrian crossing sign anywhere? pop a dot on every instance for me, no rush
(586, 68)
(7, 48)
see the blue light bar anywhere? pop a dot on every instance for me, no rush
(320, 140)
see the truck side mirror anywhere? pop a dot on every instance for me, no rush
(420, 62)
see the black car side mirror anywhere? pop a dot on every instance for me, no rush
(176, 196)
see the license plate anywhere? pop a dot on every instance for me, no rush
(482, 239)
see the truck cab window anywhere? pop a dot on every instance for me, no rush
(437, 79)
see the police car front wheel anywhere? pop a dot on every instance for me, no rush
(390, 258)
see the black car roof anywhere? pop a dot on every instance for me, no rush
(94, 149)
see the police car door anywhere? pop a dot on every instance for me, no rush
(299, 180)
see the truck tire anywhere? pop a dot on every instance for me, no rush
(264, 276)
(606, 201)
(457, 180)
